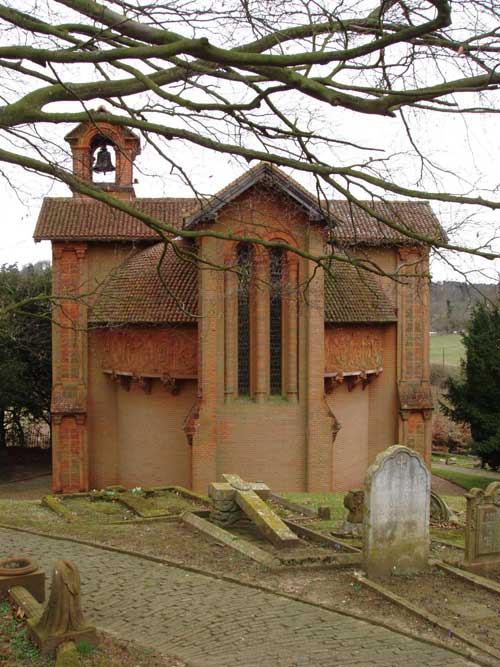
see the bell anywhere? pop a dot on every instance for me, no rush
(103, 161)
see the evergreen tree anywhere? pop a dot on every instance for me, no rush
(475, 396)
(25, 347)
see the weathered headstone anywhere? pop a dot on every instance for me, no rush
(396, 514)
(482, 528)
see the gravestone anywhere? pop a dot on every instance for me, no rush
(482, 528)
(396, 514)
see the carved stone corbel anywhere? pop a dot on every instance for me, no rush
(145, 383)
(171, 384)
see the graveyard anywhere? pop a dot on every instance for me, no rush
(392, 552)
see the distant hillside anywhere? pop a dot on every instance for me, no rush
(452, 302)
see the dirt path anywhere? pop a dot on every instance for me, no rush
(445, 487)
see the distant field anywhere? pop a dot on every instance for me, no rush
(448, 344)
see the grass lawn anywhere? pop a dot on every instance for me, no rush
(463, 479)
(448, 344)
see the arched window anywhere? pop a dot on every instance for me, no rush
(244, 262)
(276, 320)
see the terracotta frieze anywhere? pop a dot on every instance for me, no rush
(149, 352)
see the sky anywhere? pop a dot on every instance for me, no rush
(464, 153)
(473, 146)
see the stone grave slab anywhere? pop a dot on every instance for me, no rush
(482, 528)
(472, 611)
(396, 514)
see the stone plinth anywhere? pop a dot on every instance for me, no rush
(396, 514)
(22, 571)
(482, 529)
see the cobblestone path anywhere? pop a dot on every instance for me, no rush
(212, 623)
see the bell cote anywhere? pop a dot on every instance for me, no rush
(104, 154)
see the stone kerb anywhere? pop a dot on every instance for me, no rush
(396, 514)
(482, 529)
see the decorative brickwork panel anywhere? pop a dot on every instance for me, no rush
(415, 438)
(169, 351)
(69, 454)
(353, 348)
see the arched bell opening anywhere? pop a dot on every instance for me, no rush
(103, 160)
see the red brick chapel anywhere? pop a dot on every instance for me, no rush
(169, 370)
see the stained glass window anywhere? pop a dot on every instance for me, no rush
(244, 270)
(275, 324)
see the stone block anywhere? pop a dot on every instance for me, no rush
(396, 514)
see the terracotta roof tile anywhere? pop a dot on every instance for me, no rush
(139, 293)
(352, 224)
(69, 219)
(135, 293)
(353, 295)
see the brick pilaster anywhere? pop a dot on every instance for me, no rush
(69, 368)
(318, 420)
(211, 367)
(413, 351)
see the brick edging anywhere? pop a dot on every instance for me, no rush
(265, 589)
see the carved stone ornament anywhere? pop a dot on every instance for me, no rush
(440, 512)
(62, 619)
(353, 502)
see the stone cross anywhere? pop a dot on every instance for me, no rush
(396, 514)
(235, 497)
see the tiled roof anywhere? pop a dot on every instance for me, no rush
(139, 292)
(135, 292)
(71, 219)
(352, 224)
(353, 295)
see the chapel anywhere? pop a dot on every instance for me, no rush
(177, 361)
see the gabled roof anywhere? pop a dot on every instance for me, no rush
(137, 293)
(72, 219)
(265, 173)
